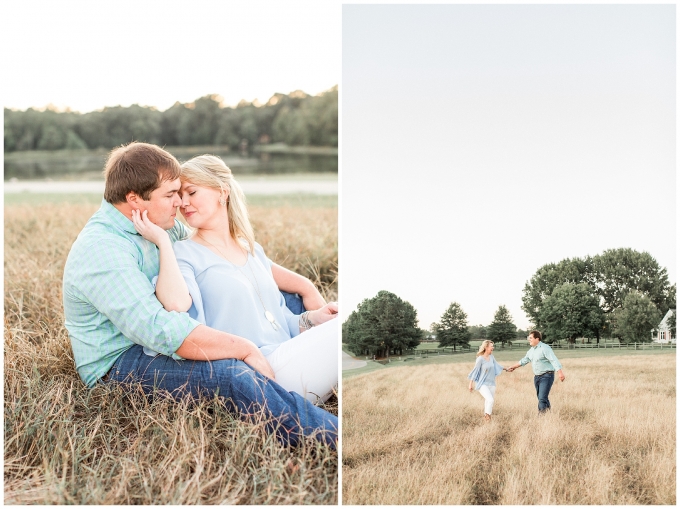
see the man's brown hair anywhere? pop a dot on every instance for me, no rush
(536, 334)
(137, 167)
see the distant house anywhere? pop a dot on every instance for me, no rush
(663, 333)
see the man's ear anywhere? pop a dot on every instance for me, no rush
(133, 200)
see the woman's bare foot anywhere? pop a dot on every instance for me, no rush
(487, 417)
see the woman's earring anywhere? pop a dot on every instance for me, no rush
(223, 202)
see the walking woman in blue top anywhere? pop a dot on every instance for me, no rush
(484, 375)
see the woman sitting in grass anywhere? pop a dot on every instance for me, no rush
(484, 375)
(223, 278)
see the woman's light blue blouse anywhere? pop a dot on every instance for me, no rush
(225, 296)
(485, 372)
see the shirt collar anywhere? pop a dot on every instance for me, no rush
(117, 218)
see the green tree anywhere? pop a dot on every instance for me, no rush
(502, 329)
(478, 331)
(672, 323)
(637, 318)
(381, 325)
(620, 271)
(73, 141)
(611, 275)
(571, 311)
(452, 329)
(549, 277)
(670, 301)
(52, 138)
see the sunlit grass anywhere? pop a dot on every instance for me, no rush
(415, 435)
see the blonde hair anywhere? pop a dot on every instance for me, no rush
(482, 347)
(210, 171)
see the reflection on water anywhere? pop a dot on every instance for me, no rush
(88, 164)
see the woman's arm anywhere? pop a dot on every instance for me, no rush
(473, 376)
(291, 282)
(310, 319)
(171, 289)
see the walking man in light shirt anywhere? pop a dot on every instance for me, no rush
(544, 363)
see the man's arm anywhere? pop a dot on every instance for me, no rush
(291, 282)
(206, 344)
(523, 361)
(554, 361)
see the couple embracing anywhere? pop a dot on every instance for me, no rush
(201, 310)
(542, 359)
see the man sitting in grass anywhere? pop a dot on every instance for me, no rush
(544, 363)
(117, 326)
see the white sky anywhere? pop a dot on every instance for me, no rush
(482, 142)
(87, 55)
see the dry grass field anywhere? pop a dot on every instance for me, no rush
(66, 444)
(415, 435)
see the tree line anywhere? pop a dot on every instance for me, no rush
(294, 119)
(453, 329)
(387, 325)
(621, 294)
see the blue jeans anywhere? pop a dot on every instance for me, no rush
(245, 390)
(543, 384)
(294, 303)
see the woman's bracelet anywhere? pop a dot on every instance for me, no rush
(305, 322)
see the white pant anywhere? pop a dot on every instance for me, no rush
(308, 363)
(488, 392)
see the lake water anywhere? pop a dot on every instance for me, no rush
(266, 185)
(88, 164)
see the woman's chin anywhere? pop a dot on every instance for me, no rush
(190, 221)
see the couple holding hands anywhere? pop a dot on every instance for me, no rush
(542, 359)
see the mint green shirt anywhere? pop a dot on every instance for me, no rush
(542, 359)
(109, 299)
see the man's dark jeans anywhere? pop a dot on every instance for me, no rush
(294, 303)
(543, 383)
(245, 390)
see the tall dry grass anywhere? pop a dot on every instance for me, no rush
(415, 435)
(65, 443)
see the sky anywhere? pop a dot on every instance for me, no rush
(480, 142)
(86, 55)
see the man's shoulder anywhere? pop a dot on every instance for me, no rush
(99, 240)
(98, 232)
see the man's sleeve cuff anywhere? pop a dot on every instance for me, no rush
(176, 331)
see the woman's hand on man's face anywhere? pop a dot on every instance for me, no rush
(328, 312)
(147, 229)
